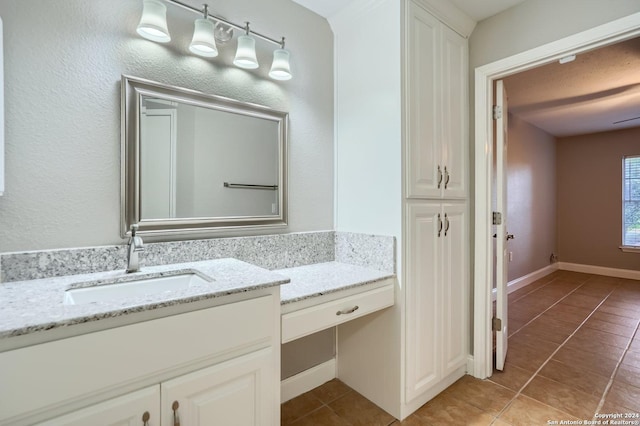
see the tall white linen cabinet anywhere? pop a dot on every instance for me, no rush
(403, 357)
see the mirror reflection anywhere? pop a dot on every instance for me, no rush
(198, 162)
(201, 162)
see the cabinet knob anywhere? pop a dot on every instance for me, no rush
(439, 225)
(145, 418)
(446, 221)
(348, 311)
(440, 176)
(176, 418)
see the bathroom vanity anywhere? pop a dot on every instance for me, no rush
(191, 343)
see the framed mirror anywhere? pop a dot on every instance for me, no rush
(196, 163)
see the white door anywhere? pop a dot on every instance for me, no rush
(238, 392)
(501, 229)
(140, 408)
(158, 166)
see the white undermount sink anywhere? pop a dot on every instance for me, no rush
(132, 288)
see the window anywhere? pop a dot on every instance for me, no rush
(631, 201)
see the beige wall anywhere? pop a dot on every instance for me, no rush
(531, 209)
(590, 198)
(63, 61)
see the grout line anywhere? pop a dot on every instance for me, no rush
(519, 392)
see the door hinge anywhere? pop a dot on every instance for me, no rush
(497, 218)
(497, 112)
(496, 324)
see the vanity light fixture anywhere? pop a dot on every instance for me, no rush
(153, 22)
(204, 40)
(210, 31)
(246, 53)
(280, 69)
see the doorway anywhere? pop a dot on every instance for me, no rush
(485, 76)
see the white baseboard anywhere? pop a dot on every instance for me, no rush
(470, 366)
(307, 380)
(600, 270)
(525, 280)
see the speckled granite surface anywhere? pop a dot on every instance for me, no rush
(323, 278)
(269, 252)
(371, 251)
(37, 305)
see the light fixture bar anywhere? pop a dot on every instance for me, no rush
(231, 24)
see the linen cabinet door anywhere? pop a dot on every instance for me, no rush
(237, 392)
(424, 174)
(455, 287)
(455, 137)
(140, 408)
(424, 235)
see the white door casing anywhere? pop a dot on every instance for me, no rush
(609, 33)
(500, 115)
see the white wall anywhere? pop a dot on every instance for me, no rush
(537, 22)
(63, 62)
(368, 118)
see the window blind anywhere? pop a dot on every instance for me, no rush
(631, 201)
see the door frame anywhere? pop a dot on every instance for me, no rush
(609, 33)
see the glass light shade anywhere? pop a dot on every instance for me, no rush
(204, 42)
(246, 53)
(153, 23)
(280, 69)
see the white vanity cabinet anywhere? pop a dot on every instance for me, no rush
(437, 299)
(217, 365)
(436, 99)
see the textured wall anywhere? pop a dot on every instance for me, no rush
(590, 198)
(63, 62)
(531, 194)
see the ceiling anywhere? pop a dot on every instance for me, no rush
(599, 91)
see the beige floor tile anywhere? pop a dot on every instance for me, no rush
(624, 395)
(595, 347)
(511, 377)
(622, 304)
(569, 313)
(620, 330)
(623, 312)
(482, 394)
(614, 319)
(597, 337)
(412, 420)
(586, 360)
(359, 411)
(562, 397)
(632, 359)
(446, 410)
(330, 391)
(321, 417)
(525, 357)
(298, 407)
(525, 411)
(628, 374)
(635, 344)
(575, 377)
(550, 329)
(582, 301)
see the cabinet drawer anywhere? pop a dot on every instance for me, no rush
(316, 318)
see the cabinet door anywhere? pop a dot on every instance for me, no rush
(424, 171)
(422, 297)
(126, 410)
(454, 105)
(455, 282)
(238, 392)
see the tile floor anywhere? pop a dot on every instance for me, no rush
(574, 351)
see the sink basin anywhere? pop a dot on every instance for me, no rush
(132, 288)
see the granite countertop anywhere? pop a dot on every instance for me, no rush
(323, 278)
(38, 305)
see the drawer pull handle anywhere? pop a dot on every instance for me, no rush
(348, 311)
(176, 419)
(145, 418)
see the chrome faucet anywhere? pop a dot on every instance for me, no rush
(135, 246)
